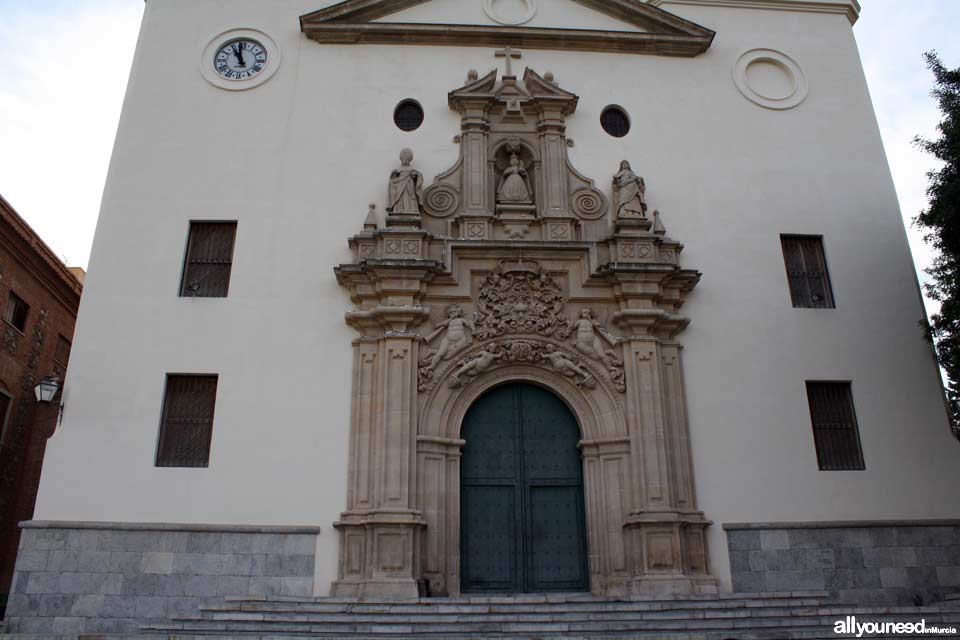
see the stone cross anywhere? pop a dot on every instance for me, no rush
(509, 54)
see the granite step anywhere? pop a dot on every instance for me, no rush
(786, 617)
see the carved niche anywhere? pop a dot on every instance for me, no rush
(524, 123)
(514, 266)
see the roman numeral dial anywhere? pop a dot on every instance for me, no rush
(240, 59)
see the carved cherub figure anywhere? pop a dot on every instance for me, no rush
(629, 193)
(476, 365)
(459, 334)
(567, 367)
(588, 338)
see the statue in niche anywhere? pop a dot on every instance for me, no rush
(588, 338)
(629, 193)
(515, 183)
(459, 334)
(405, 193)
(475, 366)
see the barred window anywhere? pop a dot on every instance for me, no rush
(61, 355)
(187, 423)
(615, 121)
(835, 430)
(408, 116)
(807, 272)
(17, 311)
(206, 272)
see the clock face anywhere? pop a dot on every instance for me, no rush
(240, 59)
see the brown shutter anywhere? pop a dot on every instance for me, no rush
(187, 423)
(807, 272)
(835, 430)
(206, 273)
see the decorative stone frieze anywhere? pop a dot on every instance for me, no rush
(516, 275)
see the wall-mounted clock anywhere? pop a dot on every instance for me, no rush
(239, 59)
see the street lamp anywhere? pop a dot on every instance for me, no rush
(47, 389)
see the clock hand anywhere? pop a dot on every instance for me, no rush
(237, 52)
(241, 46)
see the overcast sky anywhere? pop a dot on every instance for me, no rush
(67, 61)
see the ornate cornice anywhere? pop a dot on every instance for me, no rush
(849, 8)
(350, 22)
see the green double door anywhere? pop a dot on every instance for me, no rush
(522, 526)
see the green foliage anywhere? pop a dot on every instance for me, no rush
(941, 221)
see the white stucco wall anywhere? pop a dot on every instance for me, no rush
(296, 161)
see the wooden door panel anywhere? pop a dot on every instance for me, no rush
(522, 516)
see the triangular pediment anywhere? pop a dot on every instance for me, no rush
(643, 29)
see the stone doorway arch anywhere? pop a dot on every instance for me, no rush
(604, 445)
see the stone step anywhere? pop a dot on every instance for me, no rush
(293, 616)
(793, 634)
(391, 627)
(445, 607)
(538, 598)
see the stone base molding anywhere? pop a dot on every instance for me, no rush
(105, 577)
(903, 562)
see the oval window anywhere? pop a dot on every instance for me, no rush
(408, 115)
(615, 121)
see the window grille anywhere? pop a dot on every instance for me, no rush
(615, 121)
(206, 273)
(186, 426)
(17, 311)
(61, 355)
(408, 116)
(807, 272)
(835, 430)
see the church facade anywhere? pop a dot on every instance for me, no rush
(400, 298)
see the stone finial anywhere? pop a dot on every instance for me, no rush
(472, 76)
(548, 76)
(658, 227)
(371, 221)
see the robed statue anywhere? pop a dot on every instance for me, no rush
(514, 183)
(629, 193)
(405, 194)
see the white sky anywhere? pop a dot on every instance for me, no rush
(67, 62)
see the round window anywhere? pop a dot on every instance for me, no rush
(615, 121)
(408, 115)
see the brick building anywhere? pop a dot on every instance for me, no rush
(39, 297)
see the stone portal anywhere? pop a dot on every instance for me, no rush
(512, 267)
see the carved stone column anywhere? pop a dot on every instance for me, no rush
(664, 527)
(477, 197)
(438, 459)
(381, 529)
(553, 144)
